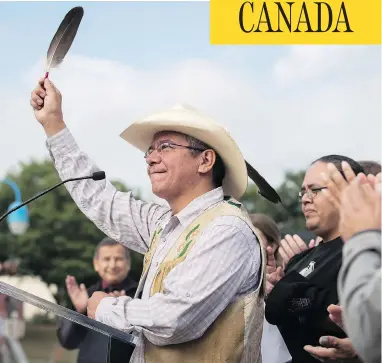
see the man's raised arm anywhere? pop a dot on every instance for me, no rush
(117, 214)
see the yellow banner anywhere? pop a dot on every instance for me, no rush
(295, 22)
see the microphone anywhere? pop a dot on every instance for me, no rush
(98, 175)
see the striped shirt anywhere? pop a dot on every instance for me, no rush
(223, 265)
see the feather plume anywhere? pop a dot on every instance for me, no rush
(264, 188)
(63, 38)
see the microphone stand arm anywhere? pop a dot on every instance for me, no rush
(41, 194)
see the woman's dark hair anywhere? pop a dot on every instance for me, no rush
(270, 230)
(371, 167)
(337, 160)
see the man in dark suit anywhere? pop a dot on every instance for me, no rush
(112, 263)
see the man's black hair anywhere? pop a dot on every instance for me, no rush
(110, 242)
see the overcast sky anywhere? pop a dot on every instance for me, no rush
(284, 105)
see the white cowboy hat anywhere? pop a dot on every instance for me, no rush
(189, 121)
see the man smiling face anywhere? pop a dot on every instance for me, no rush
(175, 167)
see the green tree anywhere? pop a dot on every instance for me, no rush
(288, 214)
(60, 239)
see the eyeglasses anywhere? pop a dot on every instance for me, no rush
(310, 192)
(166, 146)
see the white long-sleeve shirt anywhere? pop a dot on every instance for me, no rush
(223, 265)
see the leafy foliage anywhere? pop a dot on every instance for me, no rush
(60, 239)
(287, 215)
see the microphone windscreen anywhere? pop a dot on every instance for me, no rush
(99, 175)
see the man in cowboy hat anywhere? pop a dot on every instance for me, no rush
(200, 297)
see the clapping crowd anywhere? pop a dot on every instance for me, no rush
(324, 296)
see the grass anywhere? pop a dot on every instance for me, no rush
(41, 345)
